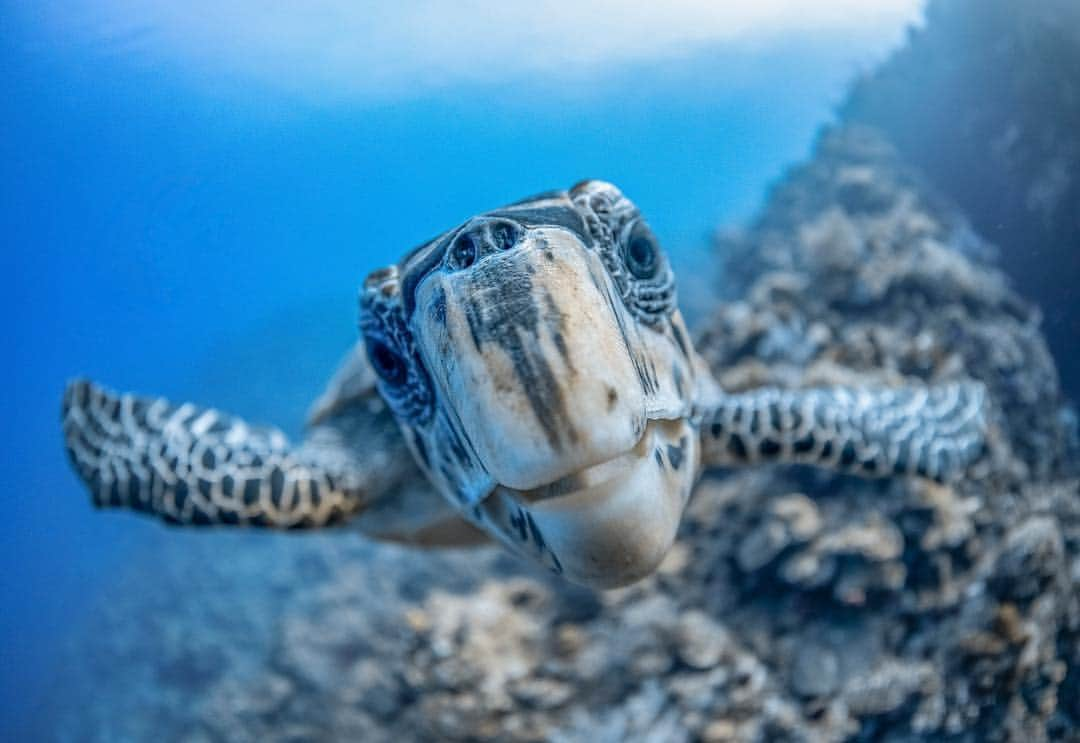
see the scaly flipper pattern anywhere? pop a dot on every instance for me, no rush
(197, 466)
(932, 432)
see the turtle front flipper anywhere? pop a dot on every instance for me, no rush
(925, 431)
(192, 465)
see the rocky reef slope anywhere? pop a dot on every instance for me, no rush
(985, 100)
(796, 606)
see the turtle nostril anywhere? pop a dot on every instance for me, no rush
(480, 238)
(463, 254)
(504, 235)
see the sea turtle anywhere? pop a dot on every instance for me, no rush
(544, 381)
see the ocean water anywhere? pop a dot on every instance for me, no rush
(170, 236)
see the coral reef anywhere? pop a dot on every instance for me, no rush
(796, 605)
(985, 100)
(858, 271)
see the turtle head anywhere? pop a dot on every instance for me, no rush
(541, 372)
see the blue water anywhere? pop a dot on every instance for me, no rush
(166, 236)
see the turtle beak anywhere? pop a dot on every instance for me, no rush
(530, 347)
(608, 525)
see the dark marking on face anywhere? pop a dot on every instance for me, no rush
(517, 520)
(717, 429)
(427, 258)
(677, 453)
(680, 340)
(649, 383)
(556, 563)
(501, 309)
(448, 477)
(421, 450)
(612, 397)
(736, 447)
(560, 343)
(557, 325)
(534, 530)
(438, 307)
(457, 446)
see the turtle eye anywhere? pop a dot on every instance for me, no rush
(387, 363)
(641, 253)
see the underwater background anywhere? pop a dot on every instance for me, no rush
(192, 197)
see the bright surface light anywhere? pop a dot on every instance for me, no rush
(352, 48)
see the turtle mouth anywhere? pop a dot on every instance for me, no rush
(610, 523)
(590, 479)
